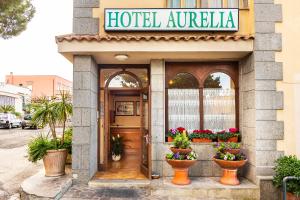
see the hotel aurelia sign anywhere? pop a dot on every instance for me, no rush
(171, 19)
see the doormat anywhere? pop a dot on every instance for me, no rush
(118, 193)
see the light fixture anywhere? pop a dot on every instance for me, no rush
(121, 57)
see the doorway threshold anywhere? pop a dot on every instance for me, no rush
(119, 183)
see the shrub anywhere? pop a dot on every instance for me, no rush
(68, 140)
(287, 166)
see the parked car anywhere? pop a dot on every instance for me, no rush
(8, 120)
(27, 122)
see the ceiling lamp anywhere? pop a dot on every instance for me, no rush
(121, 57)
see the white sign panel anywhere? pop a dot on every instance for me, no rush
(171, 19)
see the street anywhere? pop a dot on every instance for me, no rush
(14, 164)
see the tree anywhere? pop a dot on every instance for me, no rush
(14, 17)
(212, 82)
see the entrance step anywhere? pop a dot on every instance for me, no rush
(119, 183)
(201, 188)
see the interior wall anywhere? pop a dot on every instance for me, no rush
(126, 120)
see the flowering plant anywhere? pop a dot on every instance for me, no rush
(208, 134)
(173, 132)
(225, 135)
(177, 156)
(181, 141)
(221, 147)
(230, 157)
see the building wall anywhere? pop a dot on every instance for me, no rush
(290, 84)
(41, 85)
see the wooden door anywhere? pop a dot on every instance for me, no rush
(145, 133)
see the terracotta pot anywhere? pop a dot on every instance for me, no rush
(170, 139)
(230, 168)
(201, 140)
(181, 151)
(232, 139)
(54, 162)
(181, 171)
(69, 159)
(233, 151)
(290, 196)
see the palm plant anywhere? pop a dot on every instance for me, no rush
(63, 109)
(45, 113)
(7, 108)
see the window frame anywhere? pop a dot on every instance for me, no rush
(201, 70)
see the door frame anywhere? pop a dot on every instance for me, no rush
(104, 166)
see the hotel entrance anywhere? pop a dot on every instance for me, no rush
(124, 114)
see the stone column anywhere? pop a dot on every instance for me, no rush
(157, 113)
(83, 21)
(85, 95)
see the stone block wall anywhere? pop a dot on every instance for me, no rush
(85, 87)
(83, 21)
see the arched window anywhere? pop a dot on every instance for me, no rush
(124, 81)
(183, 102)
(219, 102)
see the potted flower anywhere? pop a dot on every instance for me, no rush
(230, 147)
(181, 144)
(202, 136)
(53, 150)
(116, 147)
(173, 132)
(229, 163)
(181, 158)
(232, 135)
(288, 166)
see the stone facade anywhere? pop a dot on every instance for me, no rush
(85, 130)
(83, 21)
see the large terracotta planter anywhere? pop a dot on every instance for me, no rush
(232, 151)
(290, 196)
(201, 140)
(54, 162)
(181, 151)
(170, 139)
(181, 171)
(230, 171)
(232, 139)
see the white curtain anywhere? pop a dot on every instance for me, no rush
(233, 3)
(190, 4)
(174, 3)
(211, 3)
(219, 108)
(183, 108)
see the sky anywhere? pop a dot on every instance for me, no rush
(34, 52)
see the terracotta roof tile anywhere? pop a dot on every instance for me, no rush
(76, 37)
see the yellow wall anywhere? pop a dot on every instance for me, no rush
(290, 29)
(246, 19)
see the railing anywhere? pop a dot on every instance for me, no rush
(285, 179)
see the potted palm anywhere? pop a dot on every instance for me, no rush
(288, 166)
(116, 147)
(53, 150)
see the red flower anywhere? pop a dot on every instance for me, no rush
(181, 129)
(233, 130)
(221, 132)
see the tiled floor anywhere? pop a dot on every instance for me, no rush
(127, 168)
